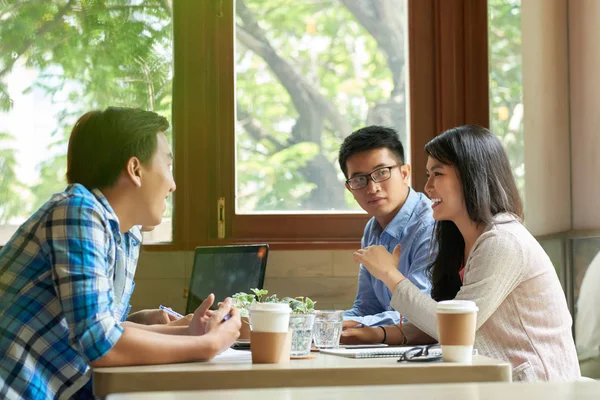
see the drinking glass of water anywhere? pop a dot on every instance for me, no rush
(301, 326)
(328, 328)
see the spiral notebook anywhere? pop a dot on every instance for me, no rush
(374, 353)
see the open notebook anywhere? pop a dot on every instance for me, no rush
(375, 353)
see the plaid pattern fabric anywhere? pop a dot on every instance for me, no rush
(66, 278)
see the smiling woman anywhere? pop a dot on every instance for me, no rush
(470, 176)
(487, 256)
(447, 186)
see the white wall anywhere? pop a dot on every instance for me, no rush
(544, 30)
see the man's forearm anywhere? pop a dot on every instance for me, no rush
(143, 347)
(143, 317)
(164, 329)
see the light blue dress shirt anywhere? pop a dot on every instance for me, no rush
(412, 227)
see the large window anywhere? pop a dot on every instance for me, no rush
(285, 82)
(506, 82)
(59, 59)
(307, 75)
(262, 93)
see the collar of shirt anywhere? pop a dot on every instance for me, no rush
(501, 218)
(398, 224)
(134, 233)
(125, 266)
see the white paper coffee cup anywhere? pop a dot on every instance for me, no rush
(456, 321)
(269, 317)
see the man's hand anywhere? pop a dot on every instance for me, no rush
(151, 317)
(351, 324)
(224, 332)
(185, 321)
(365, 335)
(201, 316)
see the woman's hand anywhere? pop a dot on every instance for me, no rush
(381, 264)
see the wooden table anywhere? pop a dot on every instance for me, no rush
(455, 391)
(324, 370)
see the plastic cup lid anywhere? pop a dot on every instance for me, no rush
(271, 307)
(456, 306)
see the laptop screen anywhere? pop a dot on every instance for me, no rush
(225, 270)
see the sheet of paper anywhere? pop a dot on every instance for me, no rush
(234, 355)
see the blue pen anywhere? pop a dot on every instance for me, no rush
(359, 326)
(171, 312)
(226, 317)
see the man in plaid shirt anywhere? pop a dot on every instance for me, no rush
(66, 276)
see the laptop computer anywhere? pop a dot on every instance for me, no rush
(225, 270)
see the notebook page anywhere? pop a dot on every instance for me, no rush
(369, 353)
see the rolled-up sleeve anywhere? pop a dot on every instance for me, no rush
(492, 272)
(78, 244)
(421, 256)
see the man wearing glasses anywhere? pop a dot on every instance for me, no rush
(372, 159)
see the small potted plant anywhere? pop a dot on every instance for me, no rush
(242, 301)
(302, 317)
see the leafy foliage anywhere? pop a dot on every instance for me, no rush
(94, 53)
(260, 294)
(300, 305)
(10, 190)
(243, 301)
(308, 73)
(506, 82)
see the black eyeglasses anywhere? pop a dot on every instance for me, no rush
(379, 175)
(432, 352)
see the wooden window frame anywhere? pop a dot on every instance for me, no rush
(448, 84)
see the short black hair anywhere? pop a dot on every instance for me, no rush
(369, 138)
(102, 141)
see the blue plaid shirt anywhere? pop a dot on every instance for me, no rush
(66, 277)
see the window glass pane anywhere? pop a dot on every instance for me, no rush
(506, 82)
(59, 59)
(308, 73)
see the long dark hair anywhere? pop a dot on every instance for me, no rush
(488, 187)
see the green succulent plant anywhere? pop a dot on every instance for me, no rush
(299, 305)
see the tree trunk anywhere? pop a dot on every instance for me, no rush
(313, 109)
